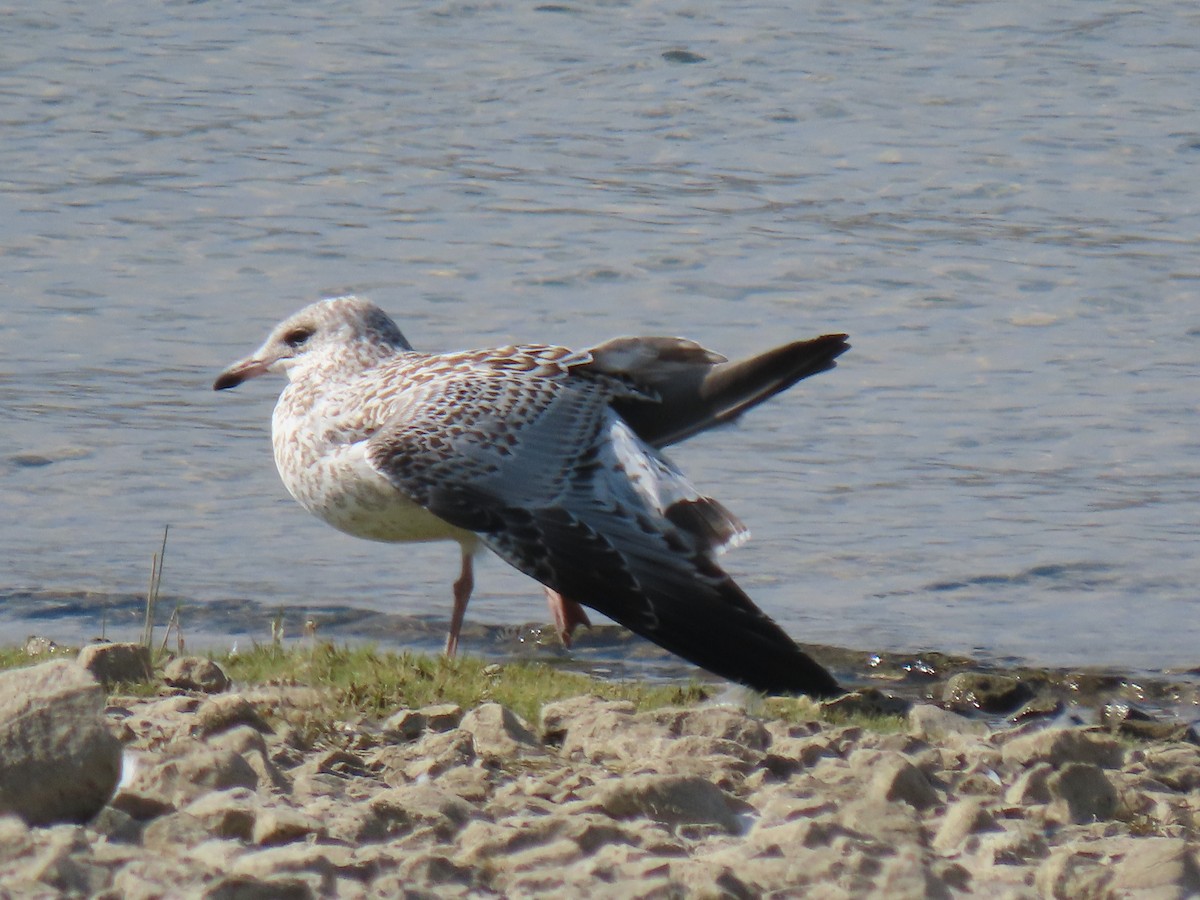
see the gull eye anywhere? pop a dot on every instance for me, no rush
(297, 337)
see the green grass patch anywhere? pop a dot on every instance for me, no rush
(366, 682)
(15, 657)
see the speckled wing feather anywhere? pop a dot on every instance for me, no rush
(557, 484)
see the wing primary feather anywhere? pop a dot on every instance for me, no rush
(686, 605)
(704, 394)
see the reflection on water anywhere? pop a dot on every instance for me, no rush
(996, 202)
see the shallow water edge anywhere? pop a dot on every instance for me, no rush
(1079, 694)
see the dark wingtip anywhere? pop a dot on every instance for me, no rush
(824, 351)
(816, 682)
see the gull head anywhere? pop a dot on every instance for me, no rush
(343, 328)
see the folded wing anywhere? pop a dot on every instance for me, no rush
(558, 485)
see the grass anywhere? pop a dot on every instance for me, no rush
(368, 683)
(364, 683)
(16, 657)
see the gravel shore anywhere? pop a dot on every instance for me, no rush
(221, 794)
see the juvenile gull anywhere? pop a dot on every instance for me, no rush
(547, 456)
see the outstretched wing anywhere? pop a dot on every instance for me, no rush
(693, 389)
(560, 487)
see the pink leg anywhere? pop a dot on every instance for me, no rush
(462, 593)
(567, 615)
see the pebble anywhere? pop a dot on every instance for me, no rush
(597, 799)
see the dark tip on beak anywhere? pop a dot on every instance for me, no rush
(228, 380)
(239, 372)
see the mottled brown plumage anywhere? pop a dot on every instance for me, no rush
(548, 457)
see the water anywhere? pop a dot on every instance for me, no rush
(997, 202)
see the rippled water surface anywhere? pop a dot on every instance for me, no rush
(999, 202)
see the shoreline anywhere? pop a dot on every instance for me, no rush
(612, 653)
(337, 772)
(78, 616)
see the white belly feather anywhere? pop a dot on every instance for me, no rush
(333, 480)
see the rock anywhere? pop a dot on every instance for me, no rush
(1158, 731)
(702, 878)
(473, 783)
(1042, 706)
(404, 725)
(530, 841)
(117, 826)
(867, 702)
(784, 838)
(889, 823)
(442, 716)
(179, 780)
(317, 865)
(1018, 844)
(426, 868)
(963, 819)
(36, 646)
(342, 764)
(168, 833)
(431, 756)
(140, 805)
(422, 805)
(195, 673)
(1070, 872)
(1083, 793)
(217, 855)
(719, 722)
(1059, 746)
(953, 875)
(723, 762)
(249, 743)
(980, 779)
(552, 855)
(247, 887)
(1159, 868)
(929, 722)
(908, 874)
(895, 779)
(219, 714)
(557, 717)
(226, 814)
(610, 733)
(987, 692)
(58, 761)
(1177, 767)
(15, 838)
(150, 876)
(354, 825)
(498, 734)
(1031, 786)
(62, 860)
(113, 663)
(280, 825)
(670, 799)
(158, 722)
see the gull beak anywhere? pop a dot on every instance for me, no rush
(239, 372)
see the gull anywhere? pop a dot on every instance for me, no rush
(549, 457)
